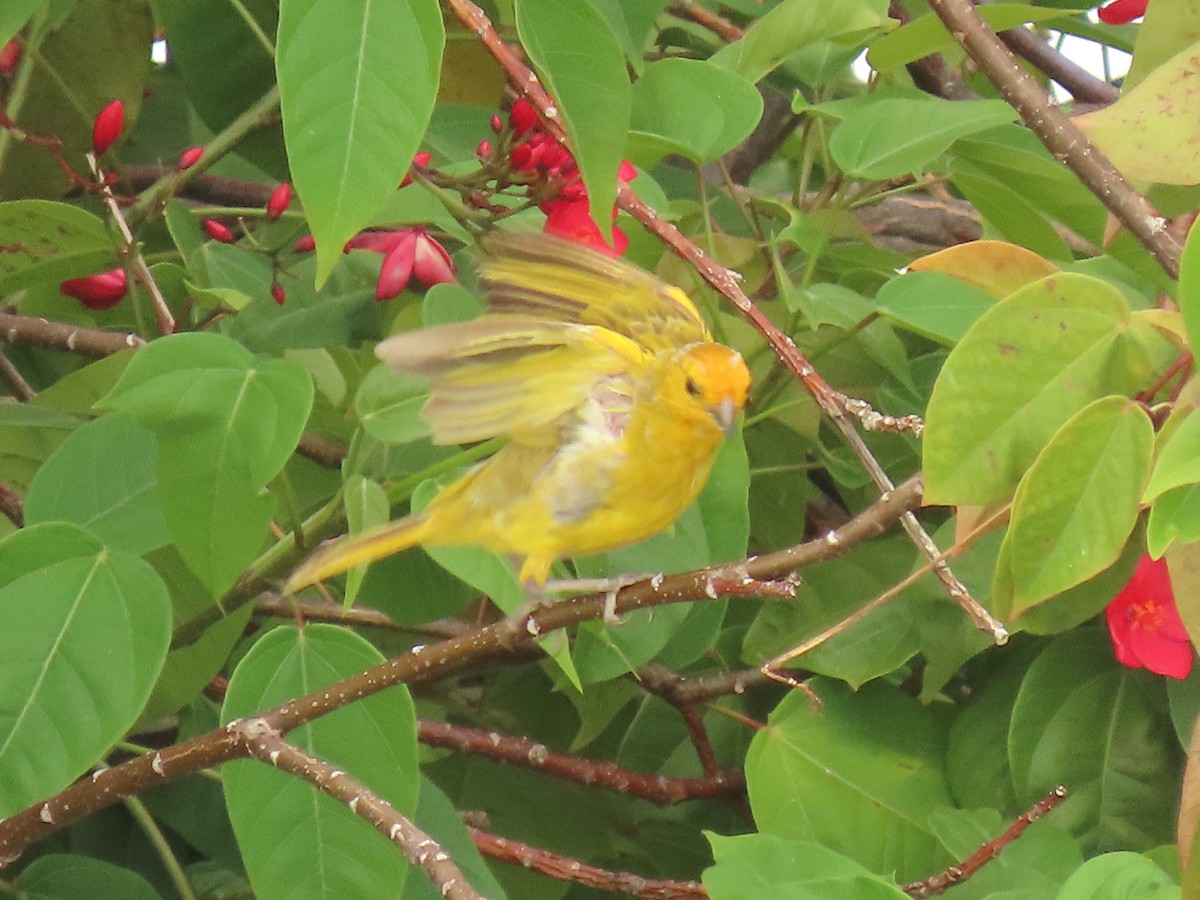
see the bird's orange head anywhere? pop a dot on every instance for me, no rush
(713, 380)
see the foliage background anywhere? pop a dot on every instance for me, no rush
(166, 717)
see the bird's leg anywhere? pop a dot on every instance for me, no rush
(610, 586)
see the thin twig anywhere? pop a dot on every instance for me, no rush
(11, 376)
(37, 332)
(267, 745)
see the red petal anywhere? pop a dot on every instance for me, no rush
(432, 264)
(523, 116)
(1120, 12)
(107, 127)
(376, 241)
(627, 172)
(99, 292)
(279, 200)
(397, 266)
(1161, 655)
(571, 220)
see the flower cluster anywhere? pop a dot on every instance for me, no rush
(565, 203)
(1145, 625)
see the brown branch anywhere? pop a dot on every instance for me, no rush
(91, 342)
(943, 881)
(564, 868)
(1066, 142)
(322, 450)
(930, 73)
(11, 376)
(529, 754)
(721, 27)
(676, 689)
(424, 664)
(267, 745)
(11, 505)
(1083, 86)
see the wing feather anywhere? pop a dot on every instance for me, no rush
(526, 273)
(509, 374)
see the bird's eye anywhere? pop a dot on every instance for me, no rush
(691, 387)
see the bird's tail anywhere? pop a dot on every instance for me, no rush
(338, 557)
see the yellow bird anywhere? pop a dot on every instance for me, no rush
(612, 394)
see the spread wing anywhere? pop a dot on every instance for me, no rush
(510, 374)
(559, 280)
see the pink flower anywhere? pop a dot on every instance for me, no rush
(217, 231)
(189, 158)
(1121, 11)
(99, 292)
(1145, 625)
(407, 252)
(107, 127)
(278, 201)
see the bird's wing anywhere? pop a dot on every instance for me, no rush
(510, 374)
(560, 280)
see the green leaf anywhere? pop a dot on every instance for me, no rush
(1189, 289)
(389, 405)
(873, 758)
(437, 816)
(932, 304)
(1020, 372)
(367, 507)
(1174, 516)
(1153, 130)
(927, 35)
(1117, 876)
(1081, 720)
(46, 243)
(795, 24)
(226, 423)
(85, 632)
(14, 15)
(1076, 506)
(895, 137)
(767, 867)
(1170, 28)
(373, 740)
(665, 100)
(1002, 205)
(357, 84)
(579, 59)
(61, 876)
(1177, 464)
(102, 477)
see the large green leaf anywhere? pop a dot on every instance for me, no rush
(295, 840)
(895, 137)
(45, 243)
(1021, 371)
(1152, 132)
(1077, 504)
(933, 304)
(86, 629)
(795, 24)
(226, 422)
(13, 16)
(1189, 289)
(860, 778)
(665, 100)
(357, 83)
(767, 867)
(1117, 876)
(61, 876)
(580, 60)
(103, 477)
(1081, 720)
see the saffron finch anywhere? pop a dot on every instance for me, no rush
(612, 394)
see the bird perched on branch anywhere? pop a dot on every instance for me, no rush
(612, 394)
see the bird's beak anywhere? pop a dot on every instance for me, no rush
(725, 413)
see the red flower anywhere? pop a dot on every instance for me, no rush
(102, 291)
(217, 231)
(278, 201)
(10, 55)
(522, 117)
(189, 158)
(1121, 11)
(407, 252)
(571, 219)
(1145, 625)
(107, 127)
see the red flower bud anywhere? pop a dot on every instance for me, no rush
(1119, 12)
(278, 293)
(10, 55)
(497, 124)
(484, 150)
(397, 266)
(305, 244)
(107, 127)
(189, 158)
(419, 159)
(98, 292)
(522, 117)
(217, 231)
(279, 200)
